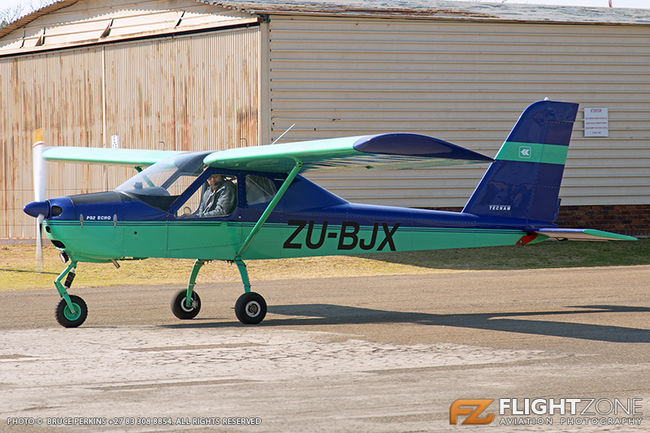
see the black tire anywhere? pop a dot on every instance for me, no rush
(70, 319)
(179, 308)
(250, 308)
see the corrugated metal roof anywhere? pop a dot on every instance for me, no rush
(442, 9)
(439, 9)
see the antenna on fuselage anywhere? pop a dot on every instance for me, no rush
(282, 135)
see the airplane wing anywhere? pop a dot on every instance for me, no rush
(395, 150)
(583, 235)
(104, 155)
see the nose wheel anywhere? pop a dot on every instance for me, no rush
(71, 310)
(71, 317)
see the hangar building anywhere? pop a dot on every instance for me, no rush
(194, 75)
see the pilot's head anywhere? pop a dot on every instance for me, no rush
(215, 180)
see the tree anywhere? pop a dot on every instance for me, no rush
(11, 14)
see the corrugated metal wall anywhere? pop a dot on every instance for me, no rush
(465, 82)
(189, 93)
(184, 93)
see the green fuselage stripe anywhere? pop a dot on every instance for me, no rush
(221, 240)
(533, 152)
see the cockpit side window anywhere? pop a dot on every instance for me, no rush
(259, 190)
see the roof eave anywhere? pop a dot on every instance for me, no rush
(481, 12)
(268, 9)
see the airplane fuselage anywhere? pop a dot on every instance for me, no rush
(114, 225)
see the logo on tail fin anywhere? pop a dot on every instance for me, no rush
(525, 152)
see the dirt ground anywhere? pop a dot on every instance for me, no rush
(376, 354)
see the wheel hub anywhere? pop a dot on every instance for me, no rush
(72, 314)
(184, 306)
(253, 309)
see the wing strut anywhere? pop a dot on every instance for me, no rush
(265, 215)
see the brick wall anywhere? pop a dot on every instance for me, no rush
(630, 220)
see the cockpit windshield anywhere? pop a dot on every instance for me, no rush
(160, 184)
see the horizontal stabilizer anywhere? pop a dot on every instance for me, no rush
(395, 150)
(105, 155)
(583, 235)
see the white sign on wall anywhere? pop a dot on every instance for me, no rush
(115, 141)
(596, 122)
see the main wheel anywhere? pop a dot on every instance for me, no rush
(250, 308)
(180, 308)
(68, 318)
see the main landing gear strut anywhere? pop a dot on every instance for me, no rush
(250, 308)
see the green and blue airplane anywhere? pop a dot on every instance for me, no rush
(279, 213)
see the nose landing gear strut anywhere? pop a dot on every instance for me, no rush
(71, 310)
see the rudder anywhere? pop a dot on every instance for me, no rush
(524, 180)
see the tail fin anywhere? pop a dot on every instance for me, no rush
(524, 180)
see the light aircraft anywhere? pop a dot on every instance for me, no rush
(280, 214)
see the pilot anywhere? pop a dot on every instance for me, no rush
(219, 199)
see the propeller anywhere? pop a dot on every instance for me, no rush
(39, 208)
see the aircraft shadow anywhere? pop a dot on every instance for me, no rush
(328, 314)
(25, 271)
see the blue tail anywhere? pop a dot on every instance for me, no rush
(524, 180)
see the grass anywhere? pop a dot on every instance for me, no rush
(18, 268)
